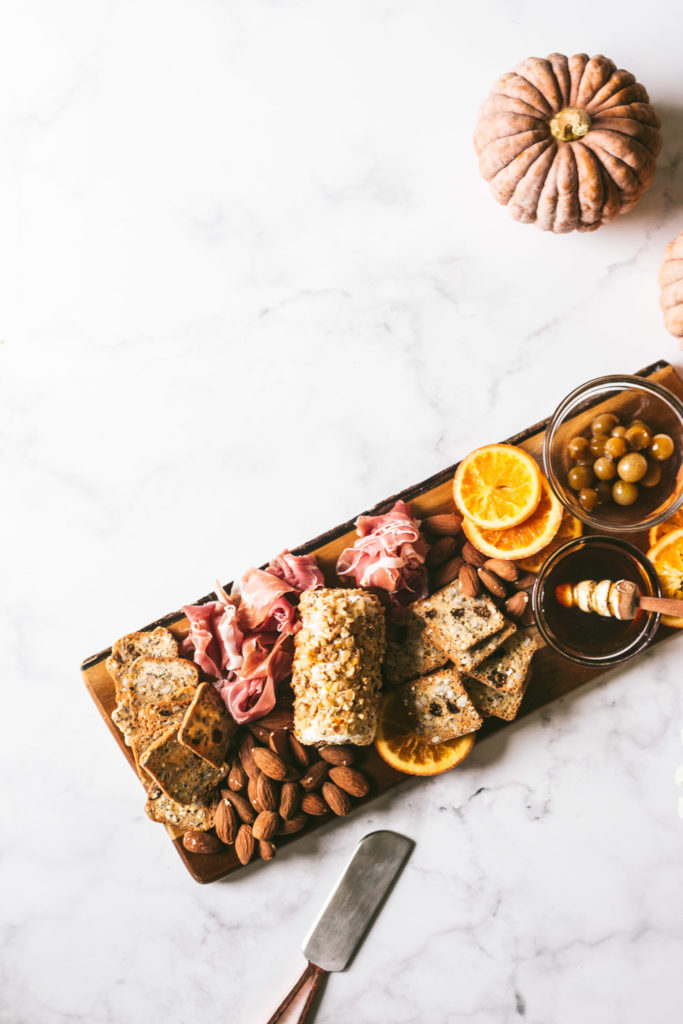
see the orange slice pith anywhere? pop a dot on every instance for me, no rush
(525, 539)
(497, 486)
(570, 527)
(674, 523)
(398, 745)
(667, 558)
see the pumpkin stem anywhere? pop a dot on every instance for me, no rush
(570, 124)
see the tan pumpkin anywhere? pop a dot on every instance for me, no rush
(671, 284)
(568, 142)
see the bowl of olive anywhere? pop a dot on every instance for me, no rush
(613, 453)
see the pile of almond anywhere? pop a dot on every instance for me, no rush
(451, 556)
(275, 787)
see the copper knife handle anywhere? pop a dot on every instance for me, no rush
(313, 974)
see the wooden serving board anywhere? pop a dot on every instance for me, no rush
(553, 676)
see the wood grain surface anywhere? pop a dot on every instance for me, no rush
(553, 676)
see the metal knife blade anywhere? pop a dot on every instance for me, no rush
(348, 913)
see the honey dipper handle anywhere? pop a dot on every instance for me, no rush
(665, 605)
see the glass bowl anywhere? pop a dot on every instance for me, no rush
(587, 638)
(629, 398)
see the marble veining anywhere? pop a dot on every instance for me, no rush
(252, 283)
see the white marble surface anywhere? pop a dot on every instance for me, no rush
(252, 283)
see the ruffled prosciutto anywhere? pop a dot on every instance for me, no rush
(389, 553)
(300, 570)
(243, 639)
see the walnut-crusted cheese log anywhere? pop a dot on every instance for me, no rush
(336, 672)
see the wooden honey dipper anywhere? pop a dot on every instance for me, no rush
(620, 600)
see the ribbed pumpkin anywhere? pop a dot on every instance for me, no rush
(671, 283)
(568, 142)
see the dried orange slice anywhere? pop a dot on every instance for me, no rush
(674, 523)
(667, 558)
(497, 486)
(570, 527)
(401, 748)
(525, 539)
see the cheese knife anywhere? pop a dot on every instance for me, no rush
(348, 913)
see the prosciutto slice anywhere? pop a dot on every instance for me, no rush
(301, 571)
(389, 553)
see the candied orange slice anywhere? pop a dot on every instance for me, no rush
(675, 522)
(401, 748)
(570, 527)
(497, 486)
(525, 539)
(667, 558)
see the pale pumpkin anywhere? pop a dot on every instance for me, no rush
(568, 143)
(671, 283)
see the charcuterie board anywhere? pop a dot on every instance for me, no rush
(553, 676)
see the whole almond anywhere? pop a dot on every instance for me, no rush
(278, 718)
(440, 551)
(502, 567)
(201, 842)
(252, 793)
(244, 810)
(469, 581)
(259, 732)
(515, 605)
(528, 618)
(294, 824)
(447, 572)
(266, 825)
(270, 763)
(337, 755)
(350, 780)
(493, 583)
(290, 799)
(237, 779)
(313, 803)
(299, 752)
(244, 844)
(472, 556)
(337, 800)
(246, 752)
(315, 776)
(278, 741)
(525, 581)
(226, 822)
(266, 849)
(266, 791)
(442, 525)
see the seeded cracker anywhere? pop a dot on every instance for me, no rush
(409, 653)
(156, 643)
(506, 669)
(455, 622)
(183, 776)
(480, 652)
(193, 815)
(497, 703)
(439, 707)
(207, 727)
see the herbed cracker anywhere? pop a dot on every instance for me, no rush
(199, 815)
(207, 728)
(182, 775)
(154, 643)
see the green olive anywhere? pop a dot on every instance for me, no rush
(588, 498)
(604, 491)
(624, 492)
(638, 436)
(597, 445)
(615, 447)
(578, 447)
(618, 431)
(662, 447)
(603, 424)
(653, 475)
(604, 468)
(580, 476)
(632, 467)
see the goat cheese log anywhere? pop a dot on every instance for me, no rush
(336, 672)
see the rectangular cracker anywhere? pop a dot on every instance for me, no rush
(183, 776)
(409, 653)
(155, 643)
(439, 706)
(160, 807)
(497, 703)
(479, 652)
(455, 622)
(154, 688)
(505, 670)
(207, 728)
